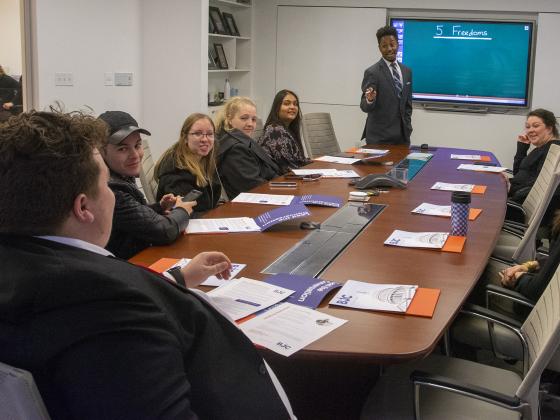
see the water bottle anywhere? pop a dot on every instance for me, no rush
(460, 204)
(227, 90)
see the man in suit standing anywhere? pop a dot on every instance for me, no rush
(387, 94)
(103, 338)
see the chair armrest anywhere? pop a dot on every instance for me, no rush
(516, 225)
(508, 171)
(508, 261)
(515, 211)
(513, 231)
(493, 289)
(420, 378)
(492, 316)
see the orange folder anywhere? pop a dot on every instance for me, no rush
(474, 213)
(424, 302)
(163, 264)
(479, 189)
(454, 244)
(485, 158)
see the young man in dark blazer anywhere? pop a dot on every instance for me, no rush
(387, 94)
(103, 338)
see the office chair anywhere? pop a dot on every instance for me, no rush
(441, 387)
(258, 130)
(149, 184)
(19, 396)
(517, 242)
(318, 134)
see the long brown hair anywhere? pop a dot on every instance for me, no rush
(204, 168)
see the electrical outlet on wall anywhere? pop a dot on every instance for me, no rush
(123, 79)
(64, 79)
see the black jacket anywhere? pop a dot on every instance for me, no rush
(105, 339)
(242, 163)
(137, 225)
(180, 182)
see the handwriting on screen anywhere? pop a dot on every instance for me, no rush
(460, 32)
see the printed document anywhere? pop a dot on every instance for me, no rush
(480, 168)
(378, 297)
(327, 173)
(243, 297)
(256, 198)
(370, 151)
(288, 328)
(227, 225)
(336, 159)
(434, 240)
(444, 186)
(213, 280)
(433, 210)
(466, 157)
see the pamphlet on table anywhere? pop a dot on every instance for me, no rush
(377, 297)
(308, 291)
(327, 173)
(471, 157)
(247, 224)
(286, 200)
(164, 264)
(442, 211)
(444, 186)
(347, 160)
(480, 168)
(379, 152)
(288, 328)
(434, 240)
(242, 297)
(419, 156)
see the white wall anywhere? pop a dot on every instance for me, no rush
(88, 38)
(175, 66)
(493, 132)
(10, 41)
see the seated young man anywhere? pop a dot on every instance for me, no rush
(105, 339)
(136, 225)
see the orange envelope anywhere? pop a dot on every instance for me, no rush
(479, 189)
(424, 302)
(474, 213)
(485, 158)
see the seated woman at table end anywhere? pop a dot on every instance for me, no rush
(281, 137)
(190, 164)
(242, 163)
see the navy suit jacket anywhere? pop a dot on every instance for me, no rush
(389, 117)
(105, 339)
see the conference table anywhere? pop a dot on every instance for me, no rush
(369, 339)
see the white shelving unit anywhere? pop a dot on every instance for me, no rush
(237, 49)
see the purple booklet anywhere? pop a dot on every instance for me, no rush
(308, 291)
(318, 200)
(281, 214)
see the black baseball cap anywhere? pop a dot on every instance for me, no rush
(121, 125)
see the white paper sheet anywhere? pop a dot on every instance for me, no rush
(327, 173)
(433, 210)
(480, 168)
(256, 198)
(379, 297)
(406, 239)
(371, 151)
(242, 297)
(336, 159)
(419, 156)
(466, 157)
(213, 280)
(232, 224)
(288, 328)
(444, 186)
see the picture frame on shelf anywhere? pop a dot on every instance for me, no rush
(244, 1)
(221, 56)
(212, 65)
(218, 21)
(230, 24)
(211, 27)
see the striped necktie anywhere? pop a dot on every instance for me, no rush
(396, 78)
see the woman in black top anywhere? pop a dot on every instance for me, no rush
(191, 164)
(541, 130)
(242, 163)
(281, 137)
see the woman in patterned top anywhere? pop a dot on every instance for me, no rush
(281, 137)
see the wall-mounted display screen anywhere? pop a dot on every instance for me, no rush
(468, 62)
